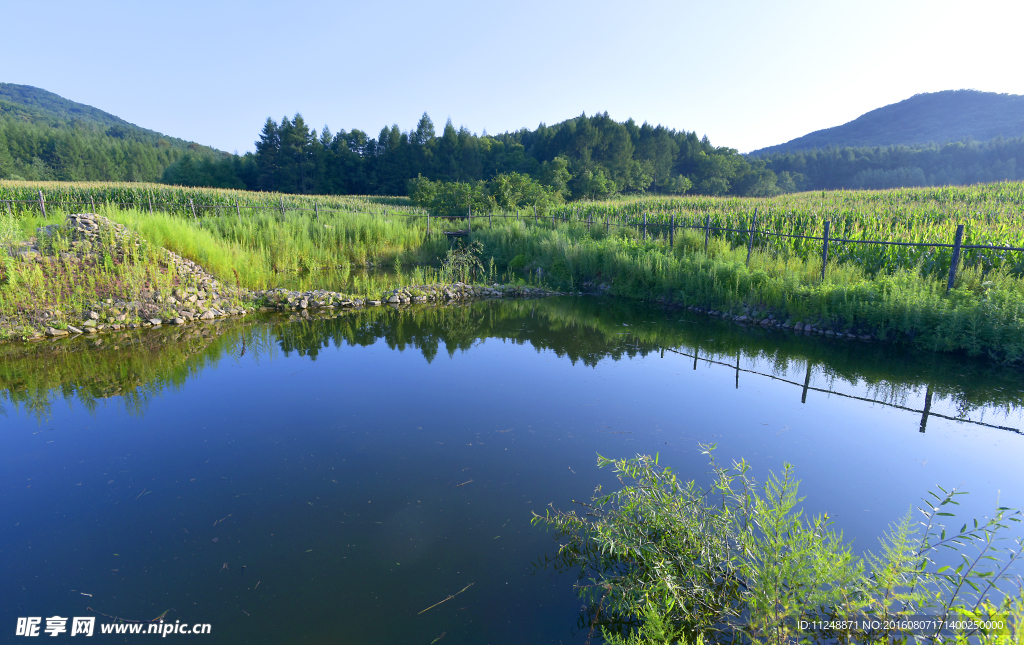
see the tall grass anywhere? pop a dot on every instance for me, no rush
(253, 251)
(991, 214)
(982, 315)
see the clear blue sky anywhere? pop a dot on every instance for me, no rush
(748, 74)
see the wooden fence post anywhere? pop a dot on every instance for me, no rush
(672, 230)
(535, 214)
(42, 204)
(957, 240)
(428, 222)
(282, 209)
(238, 211)
(750, 236)
(469, 219)
(607, 224)
(150, 204)
(316, 209)
(553, 225)
(490, 222)
(707, 232)
(645, 226)
(193, 207)
(93, 202)
(824, 251)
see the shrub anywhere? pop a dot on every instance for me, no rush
(738, 562)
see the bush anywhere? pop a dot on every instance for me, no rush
(738, 562)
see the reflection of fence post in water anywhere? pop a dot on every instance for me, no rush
(927, 407)
(829, 392)
(696, 350)
(807, 383)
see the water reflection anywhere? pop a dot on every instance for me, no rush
(366, 466)
(137, 366)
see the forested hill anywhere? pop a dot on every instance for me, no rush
(45, 136)
(938, 117)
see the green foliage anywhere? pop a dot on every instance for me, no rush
(738, 562)
(462, 262)
(451, 199)
(46, 137)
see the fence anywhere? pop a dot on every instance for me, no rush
(641, 224)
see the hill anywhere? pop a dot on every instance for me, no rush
(938, 117)
(46, 136)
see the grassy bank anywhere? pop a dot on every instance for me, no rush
(891, 293)
(982, 315)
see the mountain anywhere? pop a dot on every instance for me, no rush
(34, 105)
(46, 136)
(937, 117)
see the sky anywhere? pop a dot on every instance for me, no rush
(747, 74)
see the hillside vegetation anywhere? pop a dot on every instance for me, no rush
(936, 117)
(46, 137)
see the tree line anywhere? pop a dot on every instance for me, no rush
(588, 157)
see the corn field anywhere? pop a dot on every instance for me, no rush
(992, 215)
(178, 199)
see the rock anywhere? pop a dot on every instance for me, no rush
(394, 300)
(93, 315)
(74, 330)
(155, 321)
(51, 332)
(207, 315)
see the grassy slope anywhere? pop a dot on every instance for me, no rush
(983, 315)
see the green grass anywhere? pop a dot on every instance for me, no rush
(982, 315)
(894, 293)
(992, 214)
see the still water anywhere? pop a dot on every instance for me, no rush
(331, 481)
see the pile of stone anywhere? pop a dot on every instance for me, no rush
(284, 300)
(768, 319)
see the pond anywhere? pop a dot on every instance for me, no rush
(334, 480)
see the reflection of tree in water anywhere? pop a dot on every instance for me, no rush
(590, 330)
(134, 367)
(585, 330)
